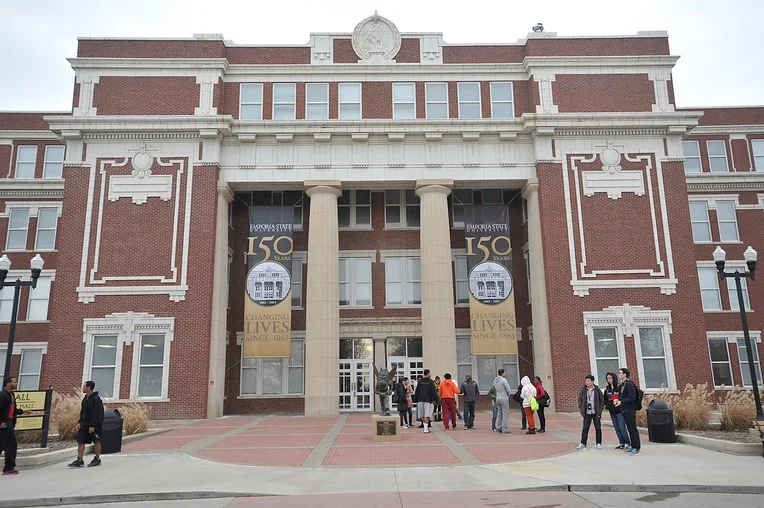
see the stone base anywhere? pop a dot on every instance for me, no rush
(385, 428)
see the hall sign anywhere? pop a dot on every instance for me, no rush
(268, 299)
(489, 265)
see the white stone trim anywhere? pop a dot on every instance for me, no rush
(52, 188)
(741, 181)
(711, 199)
(359, 254)
(166, 327)
(399, 253)
(18, 347)
(34, 207)
(733, 336)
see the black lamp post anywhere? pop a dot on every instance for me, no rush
(5, 265)
(750, 256)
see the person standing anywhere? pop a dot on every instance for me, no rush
(89, 426)
(627, 401)
(501, 385)
(409, 400)
(494, 407)
(590, 405)
(470, 392)
(426, 396)
(401, 403)
(438, 407)
(448, 392)
(528, 392)
(619, 424)
(542, 397)
(8, 414)
(518, 397)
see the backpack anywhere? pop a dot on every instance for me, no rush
(640, 396)
(517, 396)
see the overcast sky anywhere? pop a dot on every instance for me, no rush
(720, 43)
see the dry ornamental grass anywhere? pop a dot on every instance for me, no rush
(692, 407)
(65, 414)
(738, 409)
(136, 415)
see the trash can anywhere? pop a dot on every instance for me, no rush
(660, 422)
(111, 433)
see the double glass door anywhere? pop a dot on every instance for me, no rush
(356, 375)
(406, 355)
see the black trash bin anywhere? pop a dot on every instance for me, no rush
(111, 433)
(660, 422)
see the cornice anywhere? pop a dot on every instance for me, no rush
(702, 130)
(747, 181)
(27, 134)
(530, 62)
(31, 189)
(79, 64)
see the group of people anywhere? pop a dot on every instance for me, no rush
(530, 395)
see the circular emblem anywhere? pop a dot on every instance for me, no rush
(268, 283)
(610, 156)
(376, 35)
(142, 161)
(490, 282)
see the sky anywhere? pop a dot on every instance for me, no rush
(720, 43)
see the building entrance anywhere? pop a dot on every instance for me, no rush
(356, 374)
(406, 354)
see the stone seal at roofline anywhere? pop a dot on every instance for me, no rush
(376, 40)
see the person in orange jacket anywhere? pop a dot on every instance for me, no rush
(448, 392)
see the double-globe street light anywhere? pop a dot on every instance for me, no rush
(5, 265)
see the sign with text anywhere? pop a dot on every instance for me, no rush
(31, 400)
(268, 300)
(30, 423)
(489, 268)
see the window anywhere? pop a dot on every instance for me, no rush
(717, 156)
(709, 289)
(103, 365)
(469, 100)
(275, 376)
(350, 101)
(38, 300)
(436, 100)
(701, 224)
(317, 101)
(484, 369)
(251, 101)
(53, 167)
(745, 370)
(725, 215)
(18, 225)
(26, 159)
(230, 215)
(401, 209)
(281, 198)
(29, 371)
(151, 367)
(758, 154)
(732, 293)
(691, 150)
(606, 354)
(6, 304)
(402, 281)
(721, 367)
(502, 101)
(355, 282)
(284, 98)
(525, 210)
(461, 279)
(404, 101)
(354, 209)
(654, 372)
(296, 282)
(460, 199)
(527, 258)
(47, 223)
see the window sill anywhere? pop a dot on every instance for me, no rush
(462, 305)
(388, 307)
(672, 391)
(128, 401)
(727, 311)
(19, 322)
(724, 388)
(357, 307)
(19, 251)
(399, 228)
(298, 308)
(343, 228)
(290, 396)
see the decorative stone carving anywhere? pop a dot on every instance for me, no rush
(376, 40)
(140, 184)
(612, 180)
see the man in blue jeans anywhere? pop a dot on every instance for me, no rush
(627, 401)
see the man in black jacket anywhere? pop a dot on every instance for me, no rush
(8, 414)
(426, 396)
(627, 401)
(89, 427)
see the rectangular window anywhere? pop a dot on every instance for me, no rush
(18, 225)
(727, 218)
(469, 100)
(606, 354)
(721, 367)
(436, 100)
(701, 224)
(53, 167)
(26, 160)
(6, 304)
(29, 371)
(47, 223)
(525, 210)
(317, 101)
(355, 282)
(732, 293)
(350, 101)
(103, 365)
(251, 101)
(354, 209)
(281, 198)
(402, 281)
(269, 376)
(404, 101)
(745, 370)
(460, 199)
(527, 258)
(461, 279)
(502, 101)
(654, 373)
(691, 150)
(709, 289)
(151, 366)
(284, 99)
(39, 299)
(717, 156)
(296, 282)
(483, 369)
(401, 209)
(757, 146)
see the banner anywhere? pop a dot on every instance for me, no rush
(489, 265)
(268, 303)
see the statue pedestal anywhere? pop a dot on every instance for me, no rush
(385, 428)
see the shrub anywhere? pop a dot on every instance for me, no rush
(692, 407)
(29, 437)
(65, 413)
(136, 415)
(738, 409)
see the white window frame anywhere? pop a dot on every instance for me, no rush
(527, 259)
(427, 100)
(20, 347)
(352, 257)
(620, 345)
(719, 221)
(230, 215)
(275, 103)
(25, 229)
(757, 153)
(732, 293)
(667, 357)
(710, 269)
(459, 98)
(21, 369)
(472, 362)
(693, 157)
(33, 162)
(404, 103)
(58, 162)
(404, 257)
(34, 296)
(88, 369)
(743, 364)
(353, 207)
(6, 293)
(461, 276)
(711, 157)
(285, 366)
(340, 102)
(510, 101)
(258, 103)
(454, 223)
(694, 221)
(228, 278)
(137, 347)
(37, 247)
(404, 205)
(728, 362)
(296, 285)
(525, 210)
(314, 103)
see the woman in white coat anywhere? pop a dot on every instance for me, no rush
(528, 393)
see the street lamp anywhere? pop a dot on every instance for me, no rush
(5, 265)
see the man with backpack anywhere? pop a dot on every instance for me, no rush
(630, 401)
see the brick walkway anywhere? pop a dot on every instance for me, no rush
(346, 441)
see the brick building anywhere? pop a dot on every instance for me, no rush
(138, 201)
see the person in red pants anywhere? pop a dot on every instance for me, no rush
(528, 392)
(448, 393)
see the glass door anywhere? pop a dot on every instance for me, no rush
(356, 375)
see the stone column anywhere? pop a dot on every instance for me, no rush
(219, 325)
(438, 329)
(322, 330)
(542, 353)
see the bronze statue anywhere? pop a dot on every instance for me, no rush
(384, 387)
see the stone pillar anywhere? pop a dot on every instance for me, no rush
(322, 330)
(438, 328)
(542, 353)
(219, 325)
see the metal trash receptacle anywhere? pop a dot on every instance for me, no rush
(660, 422)
(111, 433)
